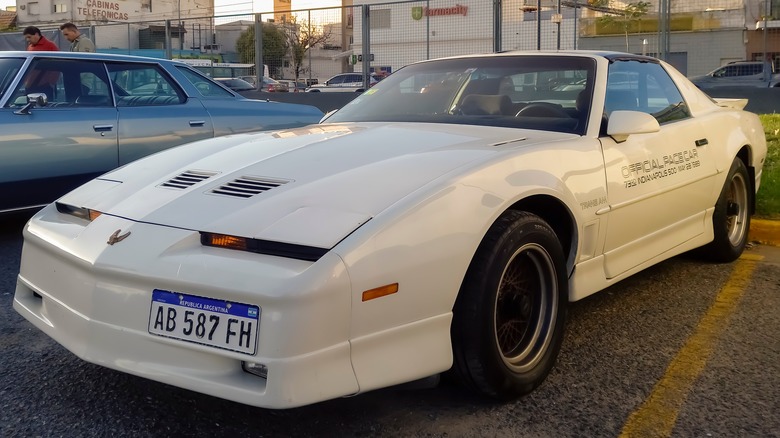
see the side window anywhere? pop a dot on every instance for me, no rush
(143, 85)
(9, 68)
(644, 87)
(336, 80)
(65, 83)
(94, 89)
(206, 87)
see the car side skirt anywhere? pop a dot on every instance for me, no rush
(591, 276)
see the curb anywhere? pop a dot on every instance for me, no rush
(765, 231)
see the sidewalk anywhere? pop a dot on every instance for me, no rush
(765, 231)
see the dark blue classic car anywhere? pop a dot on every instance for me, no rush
(68, 117)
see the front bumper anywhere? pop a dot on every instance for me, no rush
(94, 299)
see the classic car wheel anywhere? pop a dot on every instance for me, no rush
(509, 316)
(731, 219)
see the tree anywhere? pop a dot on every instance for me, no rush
(274, 47)
(301, 37)
(623, 17)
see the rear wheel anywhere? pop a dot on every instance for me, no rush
(731, 219)
(509, 316)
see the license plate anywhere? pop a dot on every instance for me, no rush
(216, 323)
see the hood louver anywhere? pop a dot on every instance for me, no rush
(247, 186)
(187, 179)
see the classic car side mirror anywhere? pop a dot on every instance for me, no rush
(624, 123)
(30, 101)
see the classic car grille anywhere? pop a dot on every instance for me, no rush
(187, 179)
(247, 186)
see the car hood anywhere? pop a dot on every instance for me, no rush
(309, 186)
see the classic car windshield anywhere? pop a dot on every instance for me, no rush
(536, 92)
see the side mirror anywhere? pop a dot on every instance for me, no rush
(624, 123)
(40, 99)
(32, 100)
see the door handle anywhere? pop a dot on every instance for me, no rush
(701, 142)
(197, 123)
(102, 128)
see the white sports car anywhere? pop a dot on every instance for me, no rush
(442, 220)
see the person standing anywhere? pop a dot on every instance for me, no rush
(78, 42)
(37, 42)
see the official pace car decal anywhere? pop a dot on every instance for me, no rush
(645, 171)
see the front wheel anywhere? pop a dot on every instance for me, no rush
(731, 219)
(509, 316)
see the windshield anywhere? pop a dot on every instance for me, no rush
(536, 92)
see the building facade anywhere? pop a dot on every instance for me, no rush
(124, 24)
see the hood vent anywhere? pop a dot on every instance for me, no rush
(247, 186)
(187, 179)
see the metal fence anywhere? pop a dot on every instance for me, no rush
(381, 36)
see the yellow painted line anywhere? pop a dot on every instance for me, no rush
(658, 414)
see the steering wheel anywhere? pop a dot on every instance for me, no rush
(542, 109)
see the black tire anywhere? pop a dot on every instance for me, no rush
(510, 313)
(731, 219)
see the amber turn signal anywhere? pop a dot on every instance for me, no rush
(225, 241)
(380, 291)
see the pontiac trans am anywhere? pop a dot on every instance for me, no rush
(440, 222)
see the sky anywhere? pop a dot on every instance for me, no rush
(228, 6)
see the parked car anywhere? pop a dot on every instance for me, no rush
(269, 85)
(235, 84)
(293, 86)
(434, 223)
(273, 86)
(250, 79)
(740, 74)
(352, 82)
(68, 117)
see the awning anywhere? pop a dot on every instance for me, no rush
(342, 54)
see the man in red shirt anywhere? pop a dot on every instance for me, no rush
(38, 42)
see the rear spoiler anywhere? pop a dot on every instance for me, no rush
(731, 103)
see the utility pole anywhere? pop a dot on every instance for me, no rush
(767, 66)
(663, 28)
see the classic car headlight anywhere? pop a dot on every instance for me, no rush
(280, 249)
(79, 212)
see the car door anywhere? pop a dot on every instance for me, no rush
(659, 184)
(738, 75)
(154, 111)
(48, 150)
